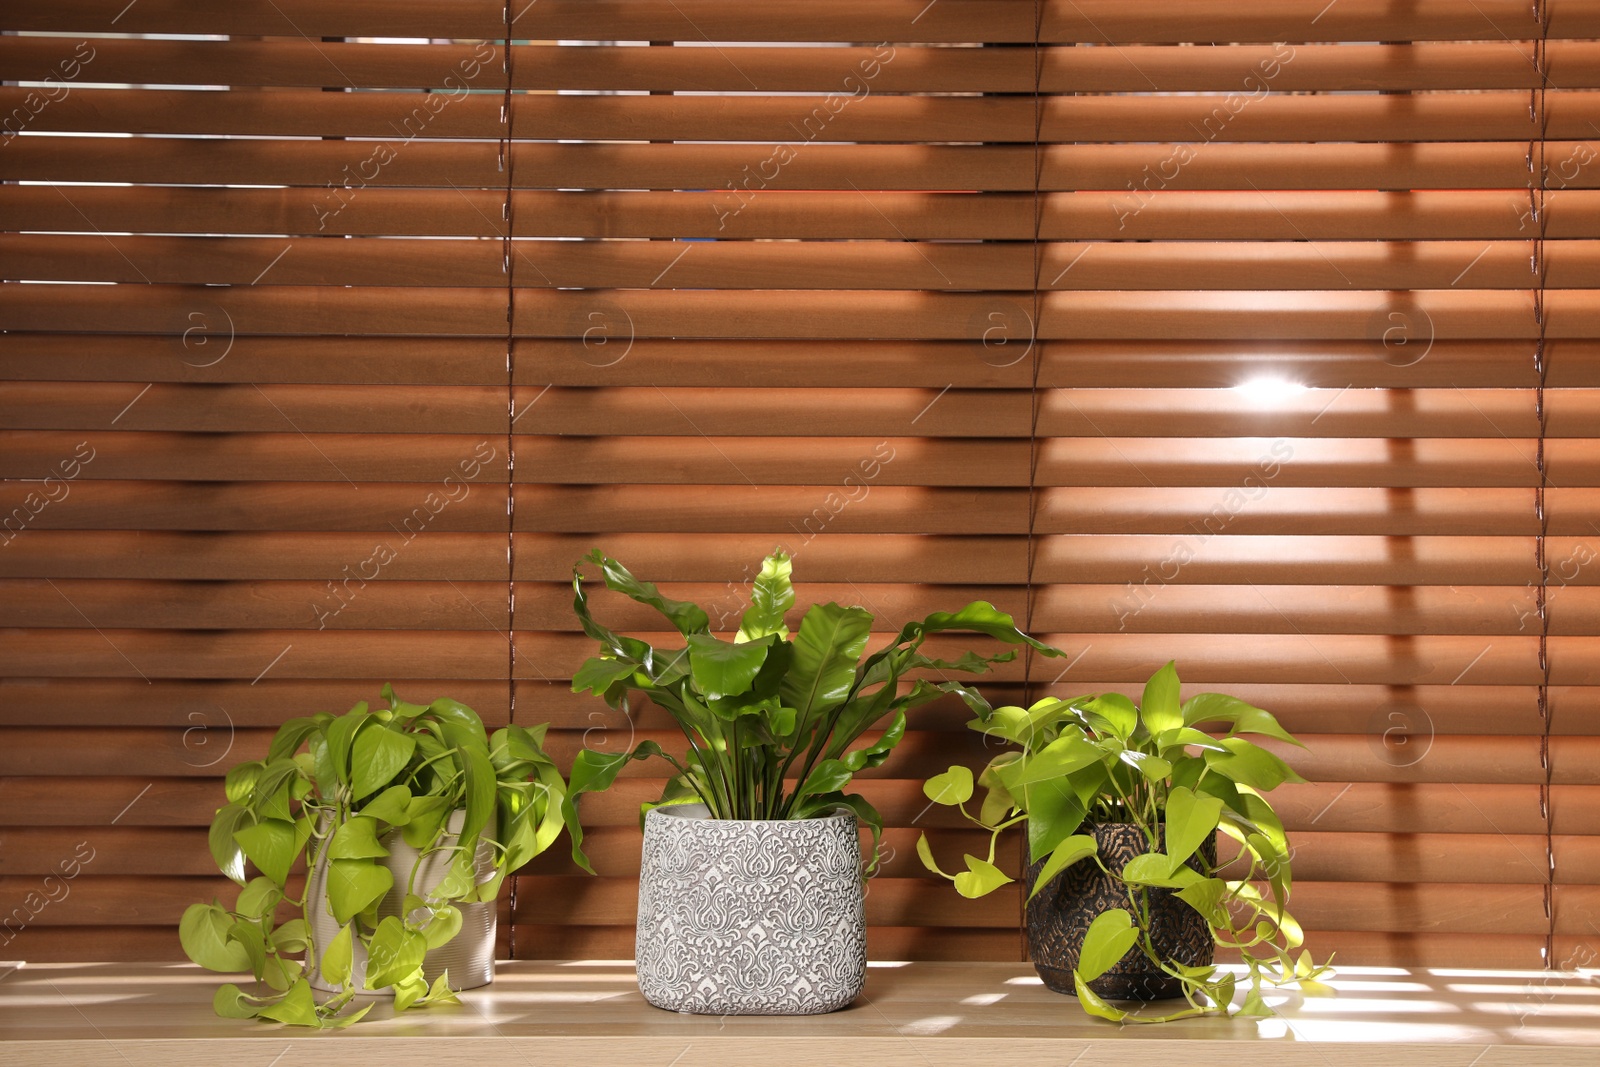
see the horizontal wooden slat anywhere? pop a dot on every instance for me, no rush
(1334, 660)
(1309, 315)
(146, 901)
(344, 603)
(1388, 414)
(1135, 68)
(737, 265)
(100, 505)
(663, 362)
(1570, 711)
(110, 799)
(1573, 511)
(132, 654)
(1577, 862)
(323, 557)
(1395, 610)
(1093, 21)
(470, 165)
(36, 750)
(1172, 214)
(210, 350)
(217, 556)
(1259, 464)
(1503, 859)
(596, 360)
(1419, 752)
(1362, 808)
(1579, 665)
(216, 706)
(1415, 949)
(58, 944)
(1284, 510)
(104, 850)
(733, 411)
(468, 462)
(780, 510)
(349, 409)
(848, 115)
(353, 410)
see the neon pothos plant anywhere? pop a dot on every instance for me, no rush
(1103, 759)
(770, 720)
(402, 768)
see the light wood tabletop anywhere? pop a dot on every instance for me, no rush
(917, 1015)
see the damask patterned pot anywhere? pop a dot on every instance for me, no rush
(1059, 917)
(750, 917)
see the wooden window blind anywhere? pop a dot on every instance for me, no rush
(1258, 336)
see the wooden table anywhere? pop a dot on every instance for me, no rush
(918, 1015)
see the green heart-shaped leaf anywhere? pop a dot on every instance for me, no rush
(980, 878)
(337, 957)
(378, 755)
(297, 1008)
(390, 806)
(203, 932)
(1191, 821)
(354, 886)
(1160, 709)
(1109, 938)
(394, 953)
(356, 839)
(1068, 852)
(950, 788)
(258, 898)
(271, 845)
(1155, 869)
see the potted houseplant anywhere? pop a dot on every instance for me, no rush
(409, 818)
(751, 886)
(1123, 803)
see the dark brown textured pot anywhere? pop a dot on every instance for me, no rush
(1059, 917)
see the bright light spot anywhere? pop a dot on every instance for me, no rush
(1471, 972)
(1271, 1028)
(1557, 985)
(932, 1024)
(1398, 972)
(1263, 391)
(983, 999)
(1348, 1031)
(1025, 980)
(1536, 1011)
(1375, 1006)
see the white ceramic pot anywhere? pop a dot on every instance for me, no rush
(469, 956)
(750, 917)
